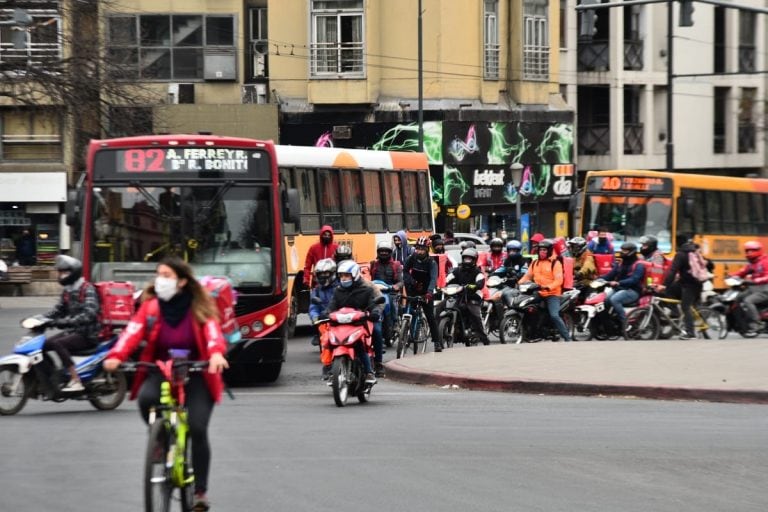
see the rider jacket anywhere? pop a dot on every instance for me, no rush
(324, 293)
(390, 272)
(464, 276)
(360, 295)
(78, 310)
(492, 261)
(584, 268)
(420, 276)
(629, 274)
(546, 273)
(318, 251)
(758, 271)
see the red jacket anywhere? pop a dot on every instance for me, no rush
(757, 270)
(318, 251)
(208, 339)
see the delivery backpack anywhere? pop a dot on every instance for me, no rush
(225, 297)
(116, 305)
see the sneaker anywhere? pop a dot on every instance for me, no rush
(326, 372)
(687, 336)
(201, 503)
(438, 347)
(379, 370)
(73, 385)
(370, 378)
(315, 341)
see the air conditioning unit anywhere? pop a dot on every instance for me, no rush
(183, 94)
(255, 93)
(219, 64)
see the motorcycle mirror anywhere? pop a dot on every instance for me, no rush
(380, 300)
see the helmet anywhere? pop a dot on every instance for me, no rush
(648, 244)
(497, 242)
(514, 245)
(343, 252)
(466, 244)
(577, 245)
(71, 267)
(422, 244)
(469, 257)
(384, 250)
(325, 270)
(422, 241)
(628, 249)
(438, 242)
(349, 267)
(537, 237)
(547, 244)
(753, 250)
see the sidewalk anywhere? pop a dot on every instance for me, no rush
(719, 371)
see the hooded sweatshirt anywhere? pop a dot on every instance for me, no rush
(401, 254)
(317, 252)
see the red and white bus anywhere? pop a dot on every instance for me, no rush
(215, 201)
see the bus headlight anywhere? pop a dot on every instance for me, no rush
(270, 319)
(245, 330)
(257, 326)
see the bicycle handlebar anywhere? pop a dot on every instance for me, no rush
(133, 366)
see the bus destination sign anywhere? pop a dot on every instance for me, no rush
(630, 184)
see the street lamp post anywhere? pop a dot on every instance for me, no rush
(517, 175)
(421, 83)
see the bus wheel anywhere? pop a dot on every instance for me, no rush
(293, 313)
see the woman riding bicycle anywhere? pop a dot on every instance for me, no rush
(178, 313)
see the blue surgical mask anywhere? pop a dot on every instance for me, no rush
(346, 284)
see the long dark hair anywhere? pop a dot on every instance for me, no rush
(202, 304)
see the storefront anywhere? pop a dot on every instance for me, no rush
(32, 228)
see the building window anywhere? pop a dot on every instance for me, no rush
(747, 49)
(337, 39)
(720, 131)
(747, 126)
(171, 47)
(491, 42)
(38, 46)
(259, 47)
(32, 134)
(536, 42)
(563, 24)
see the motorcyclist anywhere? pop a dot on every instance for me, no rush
(649, 248)
(420, 277)
(515, 263)
(355, 292)
(627, 280)
(602, 244)
(389, 271)
(469, 275)
(535, 239)
(343, 252)
(325, 247)
(755, 272)
(495, 257)
(319, 298)
(76, 314)
(584, 267)
(547, 272)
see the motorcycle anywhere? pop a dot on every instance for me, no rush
(527, 319)
(348, 328)
(594, 318)
(730, 305)
(453, 325)
(492, 309)
(31, 372)
(389, 315)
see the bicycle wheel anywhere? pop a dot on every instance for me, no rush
(402, 338)
(642, 324)
(188, 488)
(711, 323)
(424, 333)
(157, 477)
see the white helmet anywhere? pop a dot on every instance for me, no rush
(349, 267)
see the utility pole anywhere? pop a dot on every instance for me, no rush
(670, 147)
(421, 82)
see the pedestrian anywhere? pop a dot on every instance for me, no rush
(402, 251)
(25, 249)
(185, 318)
(320, 250)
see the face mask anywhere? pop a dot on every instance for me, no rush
(166, 288)
(602, 240)
(346, 284)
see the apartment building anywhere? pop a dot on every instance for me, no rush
(616, 79)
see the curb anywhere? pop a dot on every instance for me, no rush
(402, 373)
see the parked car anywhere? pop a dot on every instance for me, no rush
(464, 237)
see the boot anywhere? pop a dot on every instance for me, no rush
(438, 346)
(378, 368)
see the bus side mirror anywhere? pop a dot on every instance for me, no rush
(688, 206)
(73, 207)
(291, 208)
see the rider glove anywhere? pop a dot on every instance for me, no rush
(428, 297)
(374, 316)
(471, 287)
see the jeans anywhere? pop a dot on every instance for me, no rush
(689, 297)
(621, 297)
(362, 355)
(758, 295)
(553, 306)
(378, 341)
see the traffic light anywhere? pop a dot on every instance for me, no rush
(21, 20)
(686, 13)
(588, 26)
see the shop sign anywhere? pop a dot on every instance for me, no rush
(463, 211)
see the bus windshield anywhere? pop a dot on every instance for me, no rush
(220, 229)
(630, 217)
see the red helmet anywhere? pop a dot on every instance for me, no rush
(753, 250)
(559, 244)
(422, 241)
(537, 237)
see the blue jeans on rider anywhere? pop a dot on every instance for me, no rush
(378, 341)
(553, 306)
(621, 297)
(362, 355)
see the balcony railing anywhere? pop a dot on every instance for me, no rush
(633, 138)
(594, 139)
(593, 55)
(633, 54)
(36, 54)
(491, 69)
(332, 59)
(747, 58)
(747, 137)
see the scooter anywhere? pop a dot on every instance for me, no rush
(453, 324)
(594, 318)
(347, 329)
(31, 372)
(730, 305)
(492, 309)
(527, 319)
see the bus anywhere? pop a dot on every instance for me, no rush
(365, 196)
(215, 201)
(719, 213)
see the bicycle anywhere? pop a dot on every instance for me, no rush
(413, 329)
(168, 462)
(647, 322)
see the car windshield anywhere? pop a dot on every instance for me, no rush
(220, 230)
(629, 218)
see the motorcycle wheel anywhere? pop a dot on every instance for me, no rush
(340, 371)
(106, 391)
(634, 329)
(445, 329)
(403, 339)
(511, 329)
(581, 327)
(714, 324)
(14, 390)
(365, 393)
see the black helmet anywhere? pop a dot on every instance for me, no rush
(577, 245)
(343, 252)
(648, 244)
(71, 268)
(628, 249)
(469, 257)
(547, 244)
(497, 243)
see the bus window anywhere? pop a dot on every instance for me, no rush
(331, 199)
(394, 202)
(425, 203)
(375, 216)
(745, 214)
(713, 213)
(410, 200)
(353, 200)
(307, 187)
(730, 226)
(758, 207)
(287, 182)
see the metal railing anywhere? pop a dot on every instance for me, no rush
(594, 139)
(333, 59)
(633, 138)
(633, 54)
(593, 55)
